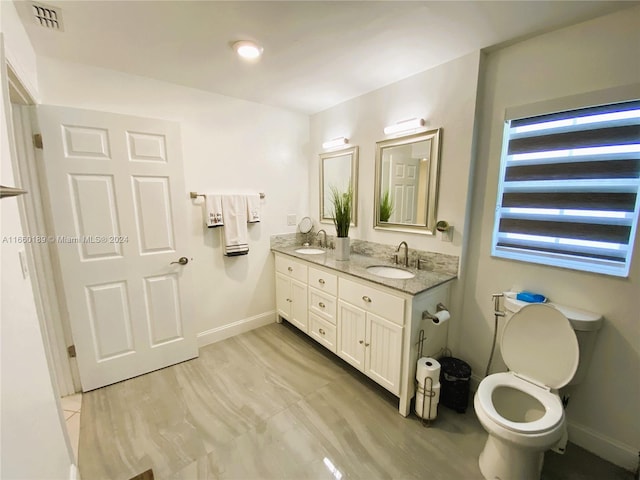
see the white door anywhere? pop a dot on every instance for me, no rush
(405, 190)
(351, 333)
(384, 352)
(283, 296)
(299, 311)
(118, 209)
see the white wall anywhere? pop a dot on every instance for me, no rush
(228, 145)
(33, 441)
(19, 53)
(598, 54)
(446, 97)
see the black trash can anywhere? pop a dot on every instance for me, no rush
(454, 380)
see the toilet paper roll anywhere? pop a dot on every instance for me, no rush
(428, 368)
(422, 399)
(441, 317)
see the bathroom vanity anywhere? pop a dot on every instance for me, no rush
(371, 322)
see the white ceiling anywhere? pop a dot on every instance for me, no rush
(316, 54)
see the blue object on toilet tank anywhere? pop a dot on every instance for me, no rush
(531, 297)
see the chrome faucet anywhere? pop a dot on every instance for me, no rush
(320, 242)
(406, 253)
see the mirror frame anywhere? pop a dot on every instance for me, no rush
(432, 194)
(353, 151)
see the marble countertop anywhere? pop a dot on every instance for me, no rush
(357, 267)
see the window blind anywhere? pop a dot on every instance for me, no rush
(569, 188)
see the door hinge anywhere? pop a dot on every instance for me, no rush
(71, 350)
(37, 140)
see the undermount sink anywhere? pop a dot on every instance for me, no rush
(310, 251)
(389, 272)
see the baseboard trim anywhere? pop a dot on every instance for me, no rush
(603, 446)
(226, 331)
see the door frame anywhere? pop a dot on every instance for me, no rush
(54, 325)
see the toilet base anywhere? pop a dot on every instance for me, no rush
(506, 461)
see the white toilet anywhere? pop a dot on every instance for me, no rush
(521, 410)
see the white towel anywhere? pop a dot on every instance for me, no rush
(213, 210)
(253, 208)
(234, 211)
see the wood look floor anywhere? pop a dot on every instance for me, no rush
(273, 404)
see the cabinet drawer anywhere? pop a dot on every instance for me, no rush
(323, 305)
(372, 300)
(291, 268)
(322, 331)
(326, 282)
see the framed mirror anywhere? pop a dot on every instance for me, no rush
(406, 188)
(338, 169)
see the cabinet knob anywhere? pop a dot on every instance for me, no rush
(361, 342)
(321, 281)
(322, 332)
(367, 344)
(288, 299)
(321, 305)
(290, 269)
(366, 299)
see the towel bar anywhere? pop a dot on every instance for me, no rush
(196, 195)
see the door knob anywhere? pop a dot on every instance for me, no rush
(181, 261)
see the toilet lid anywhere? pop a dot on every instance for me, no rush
(539, 343)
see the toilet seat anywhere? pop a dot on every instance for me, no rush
(554, 412)
(539, 343)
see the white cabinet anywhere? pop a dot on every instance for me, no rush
(366, 340)
(291, 292)
(374, 328)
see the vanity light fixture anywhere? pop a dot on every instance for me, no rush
(248, 50)
(335, 143)
(404, 125)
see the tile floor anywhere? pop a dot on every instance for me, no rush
(71, 407)
(271, 403)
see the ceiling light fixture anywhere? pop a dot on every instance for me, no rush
(248, 50)
(335, 143)
(404, 125)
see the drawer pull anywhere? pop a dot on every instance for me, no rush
(322, 332)
(290, 269)
(366, 299)
(321, 305)
(321, 281)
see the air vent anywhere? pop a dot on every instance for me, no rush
(47, 16)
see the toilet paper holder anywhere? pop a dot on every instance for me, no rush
(429, 316)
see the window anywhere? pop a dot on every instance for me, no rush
(569, 189)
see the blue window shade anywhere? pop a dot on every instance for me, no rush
(569, 189)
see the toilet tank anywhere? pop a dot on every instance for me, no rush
(585, 325)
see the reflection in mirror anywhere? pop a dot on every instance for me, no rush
(338, 169)
(407, 182)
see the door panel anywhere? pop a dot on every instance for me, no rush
(351, 332)
(94, 213)
(384, 352)
(110, 320)
(299, 310)
(117, 206)
(153, 214)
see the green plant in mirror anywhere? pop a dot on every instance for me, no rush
(386, 207)
(342, 202)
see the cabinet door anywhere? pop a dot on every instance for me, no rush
(383, 352)
(351, 334)
(283, 296)
(299, 313)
